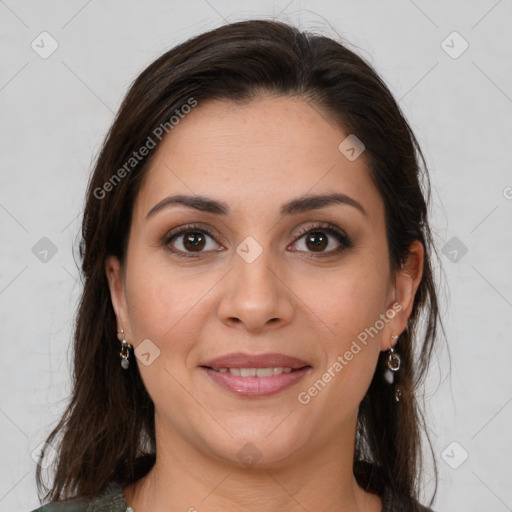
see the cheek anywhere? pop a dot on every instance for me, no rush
(349, 306)
(162, 302)
(351, 354)
(348, 300)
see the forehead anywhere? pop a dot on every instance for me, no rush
(260, 153)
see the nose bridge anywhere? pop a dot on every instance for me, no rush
(255, 295)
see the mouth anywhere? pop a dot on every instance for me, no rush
(255, 372)
(255, 375)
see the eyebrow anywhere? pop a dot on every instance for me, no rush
(293, 207)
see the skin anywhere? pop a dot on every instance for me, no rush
(289, 300)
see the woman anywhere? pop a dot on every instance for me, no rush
(256, 234)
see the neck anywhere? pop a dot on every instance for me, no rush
(184, 478)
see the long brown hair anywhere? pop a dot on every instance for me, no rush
(107, 432)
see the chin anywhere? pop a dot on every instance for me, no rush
(253, 447)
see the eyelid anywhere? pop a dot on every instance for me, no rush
(181, 230)
(342, 237)
(327, 226)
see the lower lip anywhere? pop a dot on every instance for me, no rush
(256, 386)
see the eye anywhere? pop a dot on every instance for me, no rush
(189, 240)
(323, 239)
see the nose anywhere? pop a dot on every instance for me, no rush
(254, 296)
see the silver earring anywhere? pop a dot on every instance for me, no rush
(125, 353)
(393, 358)
(393, 364)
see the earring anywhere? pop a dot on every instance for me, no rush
(393, 364)
(125, 353)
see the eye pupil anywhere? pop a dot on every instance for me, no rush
(317, 239)
(194, 241)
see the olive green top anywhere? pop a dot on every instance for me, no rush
(110, 500)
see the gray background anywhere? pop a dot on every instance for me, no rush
(57, 109)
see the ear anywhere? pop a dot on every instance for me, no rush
(407, 280)
(115, 277)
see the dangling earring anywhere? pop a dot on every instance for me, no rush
(125, 353)
(393, 364)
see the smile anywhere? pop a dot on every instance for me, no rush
(255, 375)
(255, 372)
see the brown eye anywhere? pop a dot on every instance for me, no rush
(322, 240)
(191, 241)
(194, 241)
(316, 241)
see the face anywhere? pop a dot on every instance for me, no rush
(256, 311)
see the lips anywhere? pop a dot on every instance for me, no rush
(255, 375)
(240, 360)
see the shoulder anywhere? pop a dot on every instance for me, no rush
(111, 499)
(63, 506)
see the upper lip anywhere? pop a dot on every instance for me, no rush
(241, 360)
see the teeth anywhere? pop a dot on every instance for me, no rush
(255, 372)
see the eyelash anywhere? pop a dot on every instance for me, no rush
(325, 227)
